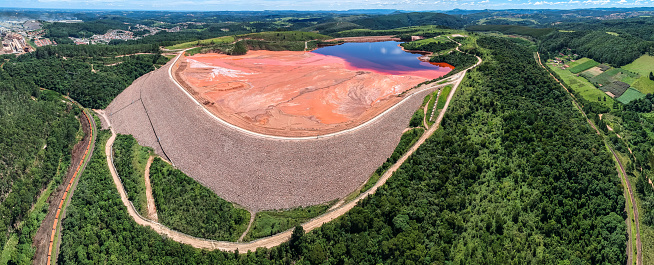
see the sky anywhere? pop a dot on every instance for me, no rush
(236, 5)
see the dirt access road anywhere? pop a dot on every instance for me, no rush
(277, 239)
(43, 243)
(639, 248)
(152, 209)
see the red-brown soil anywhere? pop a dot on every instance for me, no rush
(291, 93)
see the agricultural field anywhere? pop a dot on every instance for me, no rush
(644, 84)
(582, 66)
(630, 95)
(578, 62)
(615, 74)
(583, 87)
(643, 66)
(592, 72)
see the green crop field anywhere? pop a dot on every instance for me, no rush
(578, 62)
(615, 74)
(644, 84)
(630, 95)
(219, 40)
(643, 65)
(580, 67)
(583, 87)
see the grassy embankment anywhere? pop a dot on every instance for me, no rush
(186, 45)
(267, 223)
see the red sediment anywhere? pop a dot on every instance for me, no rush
(291, 93)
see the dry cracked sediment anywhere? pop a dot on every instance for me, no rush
(254, 172)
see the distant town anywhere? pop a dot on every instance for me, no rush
(20, 37)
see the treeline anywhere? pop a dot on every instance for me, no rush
(185, 205)
(642, 105)
(82, 29)
(512, 29)
(433, 46)
(130, 160)
(93, 85)
(94, 51)
(641, 27)
(393, 21)
(37, 132)
(514, 175)
(597, 45)
(457, 59)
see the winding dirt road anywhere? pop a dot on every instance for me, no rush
(279, 238)
(639, 248)
(152, 209)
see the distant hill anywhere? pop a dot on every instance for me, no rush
(410, 19)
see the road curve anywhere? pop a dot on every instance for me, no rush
(277, 239)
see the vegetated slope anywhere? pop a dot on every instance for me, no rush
(512, 29)
(597, 45)
(410, 19)
(514, 175)
(84, 77)
(185, 205)
(37, 133)
(130, 159)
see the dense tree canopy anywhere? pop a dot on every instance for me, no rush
(37, 132)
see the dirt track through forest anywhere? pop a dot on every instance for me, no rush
(43, 241)
(639, 248)
(279, 238)
(152, 209)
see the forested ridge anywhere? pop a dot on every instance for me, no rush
(515, 175)
(88, 77)
(37, 132)
(130, 160)
(598, 45)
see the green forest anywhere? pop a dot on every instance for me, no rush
(515, 175)
(93, 81)
(37, 132)
(184, 205)
(130, 161)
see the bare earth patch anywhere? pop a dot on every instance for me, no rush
(292, 93)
